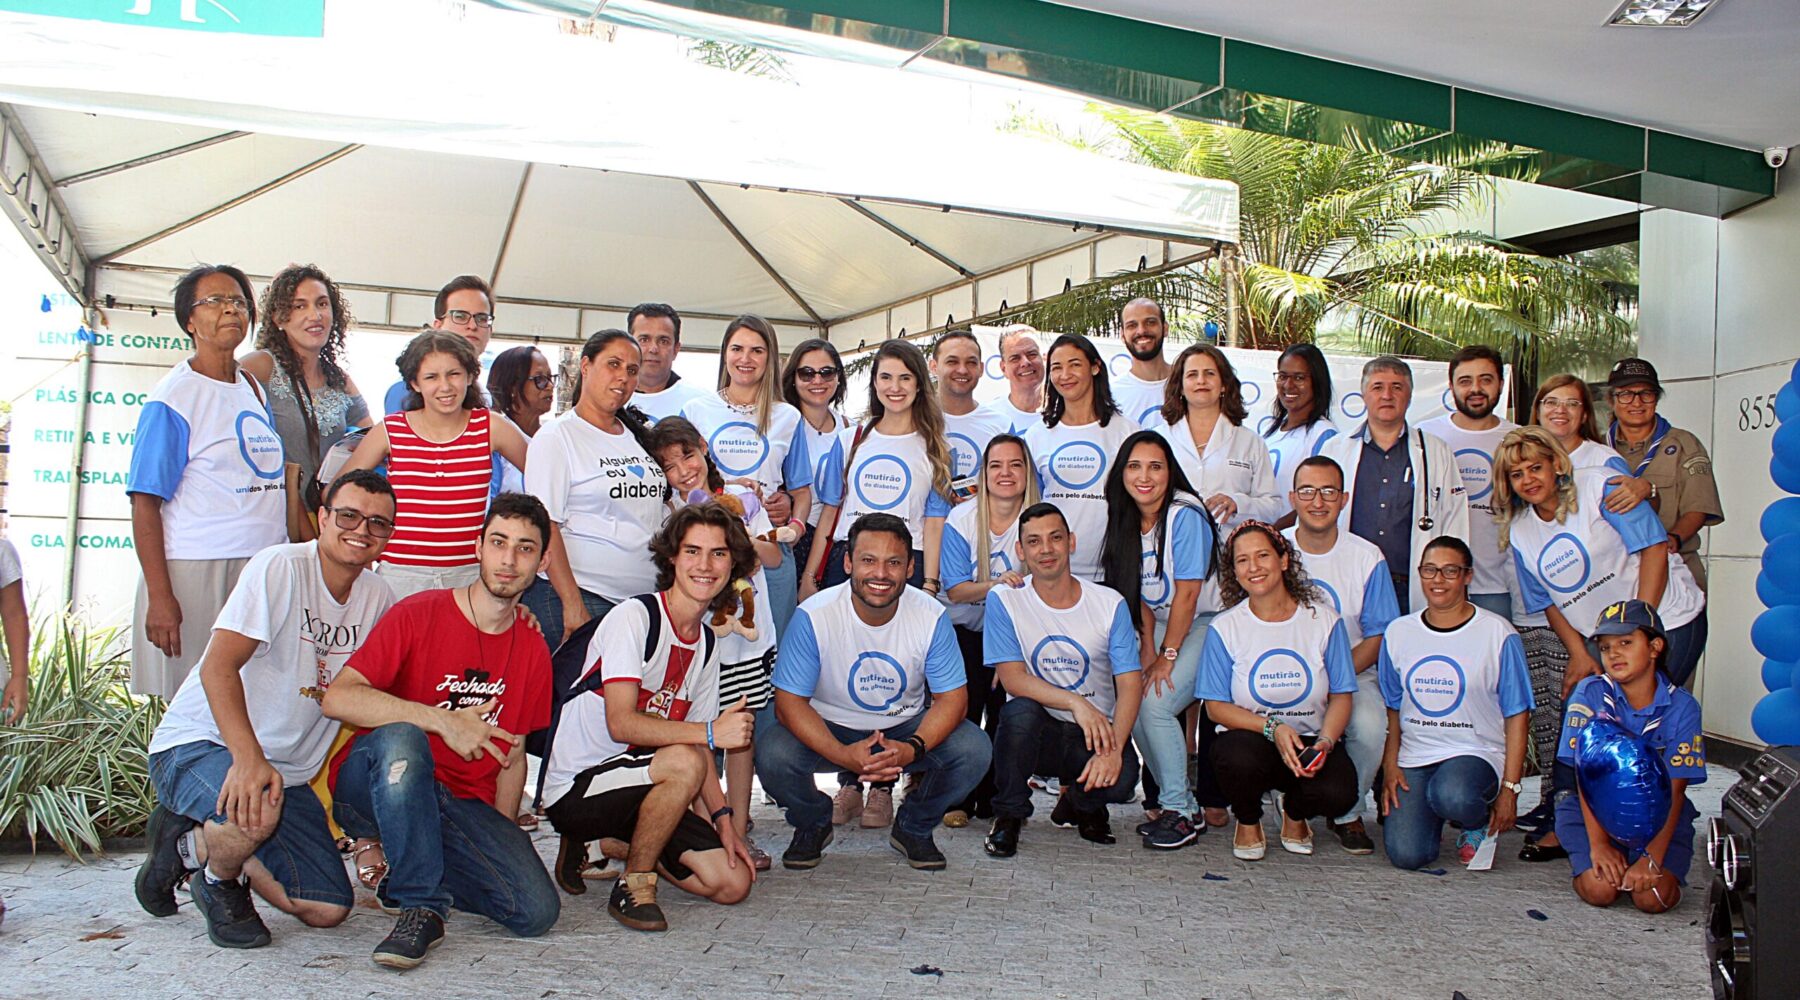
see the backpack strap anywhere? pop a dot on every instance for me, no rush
(653, 635)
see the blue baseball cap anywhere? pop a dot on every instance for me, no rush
(1626, 617)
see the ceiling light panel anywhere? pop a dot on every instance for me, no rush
(1660, 13)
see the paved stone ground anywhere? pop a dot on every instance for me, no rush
(1063, 919)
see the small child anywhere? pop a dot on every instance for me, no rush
(1630, 645)
(744, 664)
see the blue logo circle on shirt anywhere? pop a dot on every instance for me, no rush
(964, 454)
(1436, 685)
(1337, 603)
(1477, 468)
(1077, 465)
(1280, 679)
(882, 488)
(1564, 564)
(999, 562)
(737, 449)
(1149, 414)
(260, 445)
(1275, 460)
(1252, 393)
(876, 681)
(1353, 405)
(1155, 586)
(1061, 661)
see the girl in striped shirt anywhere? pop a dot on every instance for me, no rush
(439, 452)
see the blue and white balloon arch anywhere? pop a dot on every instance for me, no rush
(1776, 632)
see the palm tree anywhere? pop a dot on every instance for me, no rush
(1345, 243)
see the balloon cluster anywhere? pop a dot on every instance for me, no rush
(1776, 632)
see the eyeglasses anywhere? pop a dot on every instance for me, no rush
(1553, 403)
(825, 374)
(542, 381)
(237, 302)
(1307, 494)
(1451, 574)
(349, 519)
(1634, 395)
(464, 317)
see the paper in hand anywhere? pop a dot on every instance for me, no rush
(1484, 855)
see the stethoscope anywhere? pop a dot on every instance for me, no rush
(1425, 521)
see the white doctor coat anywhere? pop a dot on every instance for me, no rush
(1438, 493)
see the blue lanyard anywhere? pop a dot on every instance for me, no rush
(1656, 436)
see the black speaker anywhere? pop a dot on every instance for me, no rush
(1753, 904)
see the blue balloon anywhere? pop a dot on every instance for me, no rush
(1786, 474)
(1781, 558)
(1787, 402)
(1794, 376)
(1795, 683)
(1625, 783)
(1776, 632)
(1778, 674)
(1781, 517)
(1776, 718)
(1772, 594)
(1786, 441)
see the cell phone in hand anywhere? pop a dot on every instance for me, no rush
(1309, 757)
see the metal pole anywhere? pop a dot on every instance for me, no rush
(72, 521)
(1228, 269)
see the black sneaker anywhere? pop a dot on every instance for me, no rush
(1172, 830)
(1354, 837)
(633, 902)
(231, 918)
(1003, 839)
(164, 869)
(416, 932)
(807, 847)
(1064, 814)
(921, 852)
(1096, 827)
(1144, 828)
(570, 855)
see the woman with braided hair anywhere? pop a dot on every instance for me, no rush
(299, 344)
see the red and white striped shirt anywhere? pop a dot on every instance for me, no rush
(441, 493)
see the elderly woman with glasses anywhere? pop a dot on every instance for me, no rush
(522, 389)
(207, 481)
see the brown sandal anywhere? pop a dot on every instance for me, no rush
(370, 875)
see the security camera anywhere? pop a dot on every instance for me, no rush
(1775, 157)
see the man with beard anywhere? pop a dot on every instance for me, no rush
(1473, 430)
(956, 364)
(851, 685)
(1139, 391)
(1022, 362)
(443, 694)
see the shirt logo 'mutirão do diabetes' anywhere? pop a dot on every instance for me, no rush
(1077, 465)
(1280, 679)
(1436, 685)
(260, 445)
(1477, 468)
(737, 448)
(877, 681)
(882, 482)
(1155, 585)
(1564, 564)
(1061, 661)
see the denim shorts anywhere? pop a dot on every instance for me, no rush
(300, 854)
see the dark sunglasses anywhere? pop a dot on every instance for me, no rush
(806, 374)
(542, 381)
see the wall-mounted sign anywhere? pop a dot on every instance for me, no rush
(292, 18)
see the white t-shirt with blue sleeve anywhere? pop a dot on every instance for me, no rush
(889, 474)
(956, 559)
(968, 435)
(1072, 463)
(1288, 668)
(1454, 688)
(863, 676)
(777, 459)
(1287, 449)
(1017, 421)
(209, 449)
(1188, 554)
(818, 445)
(1354, 578)
(1079, 649)
(1587, 455)
(1590, 560)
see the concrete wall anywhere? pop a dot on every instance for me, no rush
(1719, 321)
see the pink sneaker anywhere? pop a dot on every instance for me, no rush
(878, 811)
(846, 805)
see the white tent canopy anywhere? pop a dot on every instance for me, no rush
(582, 175)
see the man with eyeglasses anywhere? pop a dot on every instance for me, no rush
(1351, 574)
(464, 306)
(656, 326)
(233, 755)
(1473, 431)
(1022, 362)
(1672, 460)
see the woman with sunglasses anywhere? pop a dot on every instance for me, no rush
(522, 389)
(813, 383)
(206, 481)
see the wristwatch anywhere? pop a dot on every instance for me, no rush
(1513, 786)
(1169, 653)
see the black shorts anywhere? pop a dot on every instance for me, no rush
(604, 802)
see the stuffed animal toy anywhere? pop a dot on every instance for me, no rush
(746, 506)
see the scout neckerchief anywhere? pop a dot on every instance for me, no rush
(1656, 436)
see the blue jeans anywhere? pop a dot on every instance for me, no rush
(949, 771)
(1365, 740)
(1159, 729)
(1460, 791)
(299, 854)
(1032, 741)
(1500, 604)
(784, 588)
(441, 850)
(541, 598)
